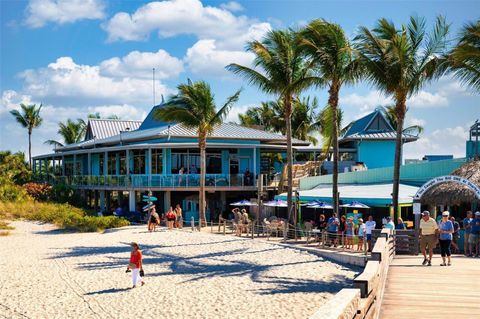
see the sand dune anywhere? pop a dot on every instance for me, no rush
(48, 273)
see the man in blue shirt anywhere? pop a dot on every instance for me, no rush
(466, 235)
(475, 234)
(332, 226)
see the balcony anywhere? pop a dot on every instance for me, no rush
(167, 182)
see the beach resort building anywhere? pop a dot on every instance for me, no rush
(120, 160)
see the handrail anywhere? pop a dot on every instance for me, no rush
(365, 299)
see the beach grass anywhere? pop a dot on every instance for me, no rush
(63, 215)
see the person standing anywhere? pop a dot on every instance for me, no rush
(349, 229)
(389, 224)
(467, 227)
(369, 226)
(332, 226)
(428, 236)
(361, 234)
(400, 224)
(455, 235)
(179, 216)
(446, 230)
(170, 218)
(475, 235)
(136, 265)
(342, 226)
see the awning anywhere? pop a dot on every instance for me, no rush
(371, 195)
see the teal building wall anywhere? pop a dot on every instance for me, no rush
(376, 154)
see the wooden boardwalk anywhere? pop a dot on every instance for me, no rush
(416, 291)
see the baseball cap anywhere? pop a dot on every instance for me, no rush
(425, 213)
(446, 213)
(477, 213)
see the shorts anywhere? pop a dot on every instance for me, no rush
(473, 239)
(369, 237)
(430, 240)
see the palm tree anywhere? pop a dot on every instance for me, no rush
(194, 107)
(71, 132)
(97, 115)
(270, 116)
(329, 48)
(399, 62)
(29, 118)
(326, 129)
(279, 69)
(465, 57)
(390, 115)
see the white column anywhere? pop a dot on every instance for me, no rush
(131, 201)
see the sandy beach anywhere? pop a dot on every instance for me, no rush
(50, 273)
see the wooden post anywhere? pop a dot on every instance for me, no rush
(224, 226)
(253, 229)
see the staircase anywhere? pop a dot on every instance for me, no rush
(300, 171)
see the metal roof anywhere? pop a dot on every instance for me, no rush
(223, 131)
(103, 128)
(380, 135)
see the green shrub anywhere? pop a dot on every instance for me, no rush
(10, 192)
(62, 215)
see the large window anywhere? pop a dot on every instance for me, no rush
(112, 163)
(138, 161)
(189, 160)
(214, 164)
(157, 161)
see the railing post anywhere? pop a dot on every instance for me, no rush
(253, 229)
(224, 226)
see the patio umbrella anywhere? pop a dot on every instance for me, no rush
(244, 202)
(355, 204)
(318, 204)
(276, 203)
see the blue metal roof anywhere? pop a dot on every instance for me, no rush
(150, 122)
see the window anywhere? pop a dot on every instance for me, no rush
(112, 164)
(214, 164)
(138, 161)
(157, 165)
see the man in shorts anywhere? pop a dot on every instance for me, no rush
(474, 239)
(468, 229)
(428, 236)
(369, 226)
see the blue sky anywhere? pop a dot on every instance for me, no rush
(83, 56)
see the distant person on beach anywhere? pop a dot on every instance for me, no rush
(455, 235)
(170, 218)
(428, 236)
(400, 224)
(467, 227)
(361, 233)
(475, 235)
(153, 219)
(332, 227)
(179, 216)
(349, 230)
(446, 230)
(136, 265)
(369, 226)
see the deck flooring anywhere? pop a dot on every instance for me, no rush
(416, 291)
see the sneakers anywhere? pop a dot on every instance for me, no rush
(425, 261)
(429, 262)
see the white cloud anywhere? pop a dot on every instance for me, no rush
(41, 12)
(235, 111)
(365, 103)
(427, 99)
(204, 58)
(68, 80)
(139, 65)
(174, 17)
(11, 100)
(124, 111)
(232, 6)
(415, 121)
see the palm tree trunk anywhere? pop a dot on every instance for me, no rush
(30, 148)
(288, 122)
(333, 103)
(201, 195)
(400, 109)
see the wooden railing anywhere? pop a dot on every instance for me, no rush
(365, 299)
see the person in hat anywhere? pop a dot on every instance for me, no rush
(446, 229)
(475, 235)
(467, 226)
(428, 237)
(136, 265)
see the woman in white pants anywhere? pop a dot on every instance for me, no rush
(136, 265)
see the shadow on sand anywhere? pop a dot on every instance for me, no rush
(107, 291)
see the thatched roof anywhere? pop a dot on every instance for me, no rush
(451, 193)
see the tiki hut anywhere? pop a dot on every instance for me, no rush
(451, 193)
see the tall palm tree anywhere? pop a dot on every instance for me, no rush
(194, 107)
(264, 115)
(279, 69)
(326, 129)
(29, 118)
(399, 62)
(329, 48)
(71, 132)
(465, 57)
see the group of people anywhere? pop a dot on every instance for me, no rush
(443, 233)
(173, 218)
(344, 229)
(241, 220)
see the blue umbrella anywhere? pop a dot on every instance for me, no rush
(355, 204)
(319, 204)
(244, 202)
(276, 203)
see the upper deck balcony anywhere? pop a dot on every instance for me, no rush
(176, 182)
